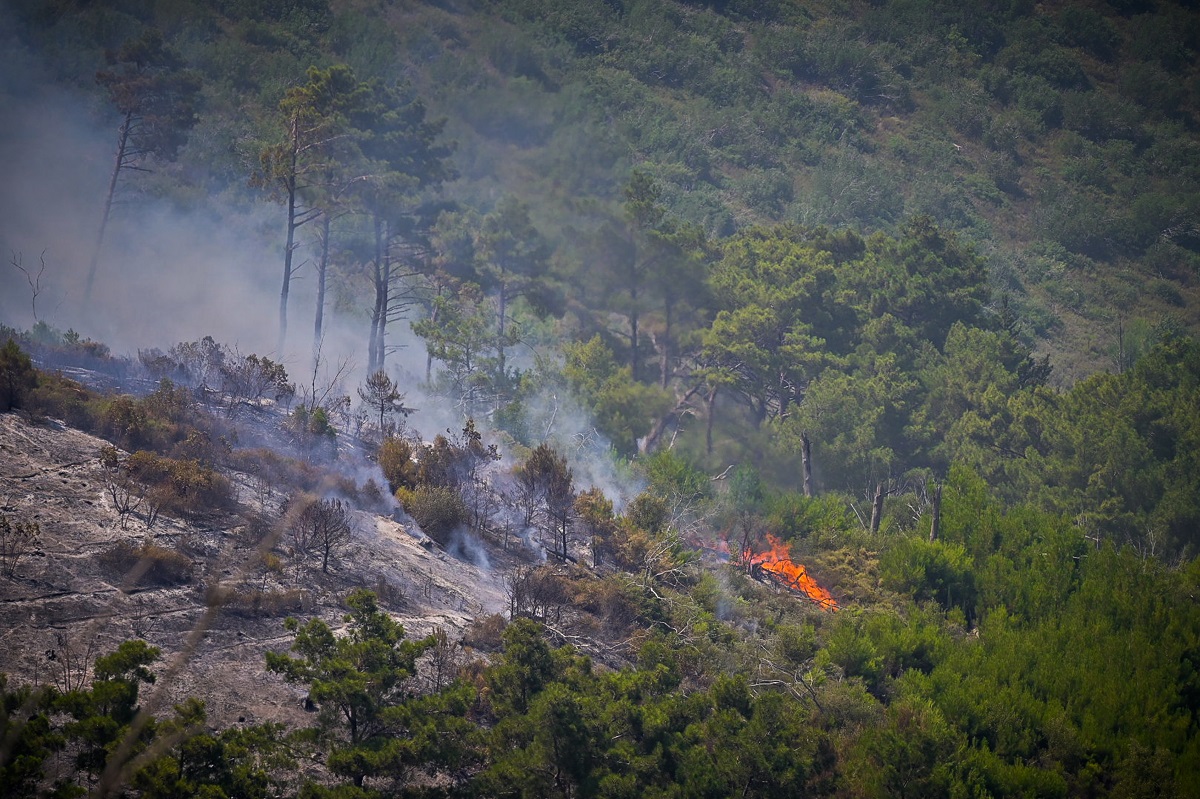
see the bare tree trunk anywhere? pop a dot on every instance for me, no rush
(379, 310)
(633, 344)
(936, 525)
(322, 267)
(122, 145)
(806, 464)
(433, 317)
(785, 395)
(651, 439)
(384, 300)
(633, 319)
(665, 375)
(290, 246)
(1120, 346)
(712, 406)
(877, 507)
(500, 340)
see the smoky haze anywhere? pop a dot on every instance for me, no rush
(169, 273)
(166, 274)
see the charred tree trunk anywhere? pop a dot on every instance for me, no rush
(122, 146)
(877, 507)
(806, 464)
(936, 524)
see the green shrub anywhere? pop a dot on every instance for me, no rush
(395, 458)
(1167, 292)
(61, 398)
(931, 570)
(438, 511)
(313, 431)
(17, 376)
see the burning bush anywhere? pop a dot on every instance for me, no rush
(777, 561)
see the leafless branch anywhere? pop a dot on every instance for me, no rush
(35, 282)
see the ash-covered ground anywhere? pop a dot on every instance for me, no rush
(211, 601)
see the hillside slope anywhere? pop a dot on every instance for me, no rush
(195, 588)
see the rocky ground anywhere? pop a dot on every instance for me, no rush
(221, 605)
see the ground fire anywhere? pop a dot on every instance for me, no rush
(777, 562)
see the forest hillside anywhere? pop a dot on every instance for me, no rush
(600, 399)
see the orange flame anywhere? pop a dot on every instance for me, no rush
(778, 563)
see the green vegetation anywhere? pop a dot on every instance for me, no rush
(17, 376)
(1058, 140)
(990, 655)
(1033, 698)
(94, 735)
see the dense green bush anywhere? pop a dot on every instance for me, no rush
(17, 376)
(395, 459)
(438, 510)
(931, 570)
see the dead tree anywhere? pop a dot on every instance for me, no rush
(17, 538)
(126, 495)
(806, 463)
(322, 526)
(881, 491)
(936, 523)
(34, 281)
